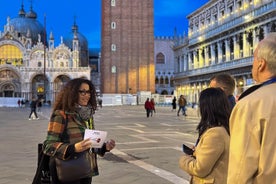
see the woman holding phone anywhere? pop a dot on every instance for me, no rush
(209, 161)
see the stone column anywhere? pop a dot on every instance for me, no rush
(213, 55)
(201, 60)
(206, 56)
(256, 33)
(186, 62)
(265, 29)
(227, 50)
(236, 47)
(195, 59)
(190, 64)
(245, 45)
(219, 52)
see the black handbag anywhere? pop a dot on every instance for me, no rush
(77, 167)
(42, 175)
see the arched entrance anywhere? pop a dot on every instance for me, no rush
(39, 87)
(7, 90)
(10, 85)
(59, 82)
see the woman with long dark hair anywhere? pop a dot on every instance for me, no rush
(72, 115)
(209, 161)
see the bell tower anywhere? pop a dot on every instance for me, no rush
(127, 62)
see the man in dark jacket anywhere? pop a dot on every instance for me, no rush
(33, 109)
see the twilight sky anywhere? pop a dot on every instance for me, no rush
(168, 14)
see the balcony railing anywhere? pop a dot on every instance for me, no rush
(219, 27)
(217, 67)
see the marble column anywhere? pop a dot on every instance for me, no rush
(219, 52)
(227, 49)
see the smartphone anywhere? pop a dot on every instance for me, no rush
(187, 150)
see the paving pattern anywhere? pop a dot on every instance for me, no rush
(147, 149)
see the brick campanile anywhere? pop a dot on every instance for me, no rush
(127, 46)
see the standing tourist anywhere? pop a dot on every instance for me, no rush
(152, 103)
(174, 104)
(182, 102)
(227, 83)
(75, 104)
(252, 156)
(209, 161)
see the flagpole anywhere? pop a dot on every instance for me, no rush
(44, 67)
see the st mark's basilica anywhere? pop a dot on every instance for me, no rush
(31, 66)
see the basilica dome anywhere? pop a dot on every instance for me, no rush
(26, 24)
(83, 44)
(75, 34)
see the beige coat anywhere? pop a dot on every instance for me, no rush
(252, 158)
(211, 158)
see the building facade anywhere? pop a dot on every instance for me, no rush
(164, 64)
(127, 46)
(31, 66)
(222, 36)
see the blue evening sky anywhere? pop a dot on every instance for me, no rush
(168, 15)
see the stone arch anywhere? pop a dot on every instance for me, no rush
(164, 92)
(10, 84)
(59, 82)
(39, 86)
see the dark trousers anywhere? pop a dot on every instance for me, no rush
(148, 112)
(183, 110)
(33, 111)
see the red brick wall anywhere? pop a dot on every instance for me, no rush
(134, 40)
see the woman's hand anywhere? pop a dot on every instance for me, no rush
(110, 145)
(83, 145)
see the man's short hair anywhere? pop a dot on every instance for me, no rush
(226, 82)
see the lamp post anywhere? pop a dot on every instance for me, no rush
(44, 64)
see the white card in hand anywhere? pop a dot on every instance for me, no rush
(98, 137)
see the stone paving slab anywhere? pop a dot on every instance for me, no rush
(19, 138)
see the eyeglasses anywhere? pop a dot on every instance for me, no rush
(84, 92)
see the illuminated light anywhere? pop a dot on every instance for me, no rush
(40, 89)
(240, 83)
(200, 38)
(247, 17)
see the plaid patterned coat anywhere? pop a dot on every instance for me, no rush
(58, 139)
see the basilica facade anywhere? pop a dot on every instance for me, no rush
(33, 67)
(221, 38)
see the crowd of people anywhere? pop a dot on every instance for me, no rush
(236, 139)
(150, 107)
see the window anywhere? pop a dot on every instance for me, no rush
(113, 25)
(113, 3)
(240, 4)
(160, 58)
(113, 47)
(231, 9)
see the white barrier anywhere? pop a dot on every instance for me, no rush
(9, 101)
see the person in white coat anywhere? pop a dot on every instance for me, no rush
(252, 158)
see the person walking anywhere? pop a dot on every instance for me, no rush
(148, 107)
(252, 156)
(182, 102)
(152, 103)
(33, 106)
(174, 104)
(18, 102)
(227, 83)
(208, 163)
(39, 105)
(76, 103)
